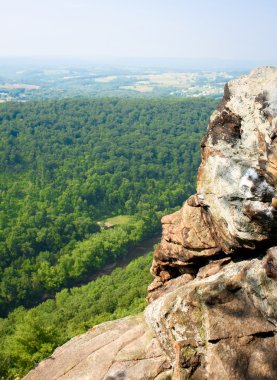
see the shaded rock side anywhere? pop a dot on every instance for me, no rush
(117, 350)
(223, 326)
(235, 209)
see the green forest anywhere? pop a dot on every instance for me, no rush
(28, 336)
(66, 166)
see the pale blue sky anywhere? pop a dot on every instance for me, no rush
(231, 29)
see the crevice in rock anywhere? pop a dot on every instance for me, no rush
(257, 252)
(193, 249)
(194, 265)
(263, 334)
(167, 374)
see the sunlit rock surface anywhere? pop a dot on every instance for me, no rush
(122, 349)
(223, 326)
(235, 209)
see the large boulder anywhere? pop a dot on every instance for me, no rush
(235, 209)
(223, 326)
(214, 296)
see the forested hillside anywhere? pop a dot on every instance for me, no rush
(67, 164)
(28, 336)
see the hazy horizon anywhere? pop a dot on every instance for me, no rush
(175, 64)
(109, 30)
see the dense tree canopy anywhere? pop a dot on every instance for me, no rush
(28, 336)
(67, 164)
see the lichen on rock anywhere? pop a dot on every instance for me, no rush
(234, 209)
(222, 322)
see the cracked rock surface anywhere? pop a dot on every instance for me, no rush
(122, 349)
(235, 208)
(214, 297)
(223, 326)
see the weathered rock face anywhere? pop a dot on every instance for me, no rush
(223, 326)
(213, 302)
(214, 296)
(235, 208)
(123, 349)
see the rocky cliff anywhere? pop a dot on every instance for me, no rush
(212, 310)
(234, 210)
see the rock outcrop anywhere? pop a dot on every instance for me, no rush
(234, 209)
(223, 326)
(122, 349)
(212, 312)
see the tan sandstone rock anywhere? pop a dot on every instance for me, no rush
(122, 349)
(234, 209)
(220, 327)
